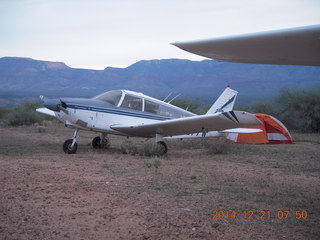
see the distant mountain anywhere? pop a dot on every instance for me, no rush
(22, 78)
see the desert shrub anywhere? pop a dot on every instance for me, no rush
(129, 148)
(218, 146)
(23, 115)
(298, 110)
(192, 105)
(267, 107)
(148, 164)
(198, 143)
(152, 149)
(20, 117)
(29, 106)
(154, 163)
(4, 111)
(216, 149)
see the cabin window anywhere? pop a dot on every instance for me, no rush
(151, 107)
(112, 97)
(172, 112)
(167, 111)
(132, 103)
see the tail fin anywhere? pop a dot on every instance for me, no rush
(225, 102)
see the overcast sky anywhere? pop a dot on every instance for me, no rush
(99, 33)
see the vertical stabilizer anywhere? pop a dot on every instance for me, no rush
(225, 102)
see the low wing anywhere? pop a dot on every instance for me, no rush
(188, 125)
(295, 46)
(46, 111)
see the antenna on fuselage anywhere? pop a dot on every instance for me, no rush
(167, 97)
(174, 98)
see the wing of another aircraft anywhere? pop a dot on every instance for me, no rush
(294, 46)
(203, 123)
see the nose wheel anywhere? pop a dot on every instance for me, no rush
(70, 146)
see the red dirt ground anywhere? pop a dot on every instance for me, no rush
(46, 194)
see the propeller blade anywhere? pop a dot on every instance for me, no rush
(55, 105)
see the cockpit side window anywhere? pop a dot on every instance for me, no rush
(132, 103)
(150, 107)
(112, 97)
(171, 112)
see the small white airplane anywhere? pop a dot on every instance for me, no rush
(128, 113)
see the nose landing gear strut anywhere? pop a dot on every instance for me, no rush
(70, 146)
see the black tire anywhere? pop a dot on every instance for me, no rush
(67, 147)
(96, 143)
(164, 148)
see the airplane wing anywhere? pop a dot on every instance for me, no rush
(46, 111)
(294, 46)
(203, 123)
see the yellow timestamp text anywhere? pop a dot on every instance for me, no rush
(262, 214)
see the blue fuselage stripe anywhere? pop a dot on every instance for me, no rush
(117, 112)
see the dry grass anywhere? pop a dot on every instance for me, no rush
(197, 176)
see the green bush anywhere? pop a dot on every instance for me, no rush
(192, 105)
(152, 149)
(218, 148)
(23, 115)
(298, 110)
(4, 111)
(129, 148)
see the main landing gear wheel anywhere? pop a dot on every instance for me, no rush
(163, 147)
(98, 144)
(70, 146)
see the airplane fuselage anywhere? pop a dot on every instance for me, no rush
(100, 119)
(119, 107)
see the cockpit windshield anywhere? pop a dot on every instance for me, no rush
(112, 97)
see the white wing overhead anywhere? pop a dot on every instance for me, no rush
(203, 123)
(295, 46)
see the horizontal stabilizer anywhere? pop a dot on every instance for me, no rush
(46, 111)
(215, 133)
(241, 130)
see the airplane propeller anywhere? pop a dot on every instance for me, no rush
(55, 104)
